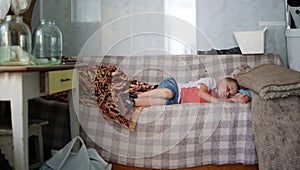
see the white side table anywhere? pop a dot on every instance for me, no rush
(17, 85)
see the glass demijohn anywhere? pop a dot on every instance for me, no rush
(15, 41)
(47, 43)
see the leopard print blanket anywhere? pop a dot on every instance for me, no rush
(108, 88)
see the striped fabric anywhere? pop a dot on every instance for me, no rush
(182, 135)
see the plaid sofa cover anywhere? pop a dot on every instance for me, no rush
(182, 135)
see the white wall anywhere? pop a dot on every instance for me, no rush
(218, 19)
(149, 27)
(133, 27)
(76, 32)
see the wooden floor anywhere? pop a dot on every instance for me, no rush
(206, 167)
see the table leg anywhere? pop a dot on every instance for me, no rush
(74, 122)
(19, 120)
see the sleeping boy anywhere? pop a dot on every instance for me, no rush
(203, 90)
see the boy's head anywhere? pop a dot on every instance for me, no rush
(227, 87)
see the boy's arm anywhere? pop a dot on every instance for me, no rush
(203, 93)
(242, 98)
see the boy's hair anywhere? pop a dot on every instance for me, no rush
(230, 79)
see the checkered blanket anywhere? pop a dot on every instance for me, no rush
(182, 135)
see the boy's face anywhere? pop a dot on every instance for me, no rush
(226, 89)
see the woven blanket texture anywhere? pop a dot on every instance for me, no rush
(271, 81)
(181, 135)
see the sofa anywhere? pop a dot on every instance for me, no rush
(174, 136)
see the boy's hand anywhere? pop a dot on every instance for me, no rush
(243, 98)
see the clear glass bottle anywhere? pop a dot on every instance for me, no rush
(47, 43)
(15, 41)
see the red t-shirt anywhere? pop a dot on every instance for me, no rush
(190, 95)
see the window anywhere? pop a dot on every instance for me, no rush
(180, 26)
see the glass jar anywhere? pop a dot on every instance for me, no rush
(15, 41)
(47, 43)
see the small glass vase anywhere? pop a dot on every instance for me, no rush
(47, 43)
(15, 41)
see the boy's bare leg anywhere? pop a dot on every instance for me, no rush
(157, 93)
(153, 97)
(147, 101)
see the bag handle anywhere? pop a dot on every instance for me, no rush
(60, 157)
(70, 147)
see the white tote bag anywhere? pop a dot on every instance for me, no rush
(87, 159)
